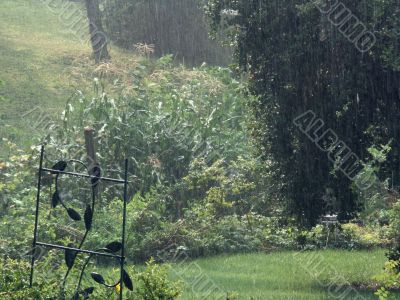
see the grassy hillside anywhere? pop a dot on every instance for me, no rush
(42, 62)
(34, 47)
(281, 276)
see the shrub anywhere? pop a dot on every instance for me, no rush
(388, 280)
(153, 283)
(344, 236)
(14, 283)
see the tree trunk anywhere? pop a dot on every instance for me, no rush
(98, 38)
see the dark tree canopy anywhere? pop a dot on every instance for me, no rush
(298, 59)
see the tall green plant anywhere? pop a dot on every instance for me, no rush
(170, 117)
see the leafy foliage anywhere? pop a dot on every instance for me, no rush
(298, 61)
(166, 119)
(388, 280)
(153, 283)
(14, 283)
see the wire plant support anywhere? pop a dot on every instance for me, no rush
(113, 250)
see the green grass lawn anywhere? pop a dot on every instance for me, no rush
(282, 275)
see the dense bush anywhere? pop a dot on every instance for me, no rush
(388, 280)
(298, 62)
(217, 208)
(392, 269)
(344, 236)
(153, 283)
(14, 283)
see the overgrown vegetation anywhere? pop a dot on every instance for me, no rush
(151, 283)
(199, 185)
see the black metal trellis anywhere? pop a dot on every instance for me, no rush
(71, 252)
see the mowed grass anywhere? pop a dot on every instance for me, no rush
(319, 275)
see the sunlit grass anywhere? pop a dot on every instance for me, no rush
(33, 43)
(42, 62)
